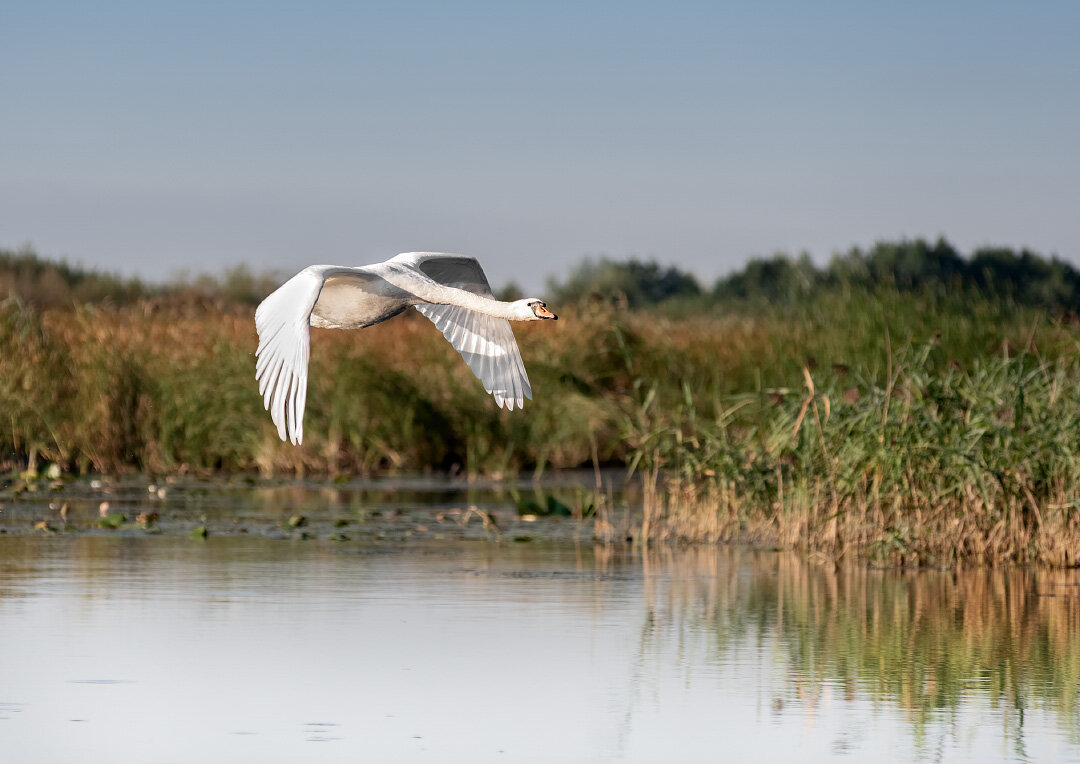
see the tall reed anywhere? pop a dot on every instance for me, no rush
(940, 463)
(910, 427)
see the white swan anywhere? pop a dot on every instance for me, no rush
(451, 290)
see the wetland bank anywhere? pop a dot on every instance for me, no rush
(905, 405)
(841, 522)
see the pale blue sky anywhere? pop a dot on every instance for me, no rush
(149, 137)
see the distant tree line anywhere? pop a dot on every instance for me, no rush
(639, 284)
(1024, 277)
(44, 283)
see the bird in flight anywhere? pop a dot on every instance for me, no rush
(450, 290)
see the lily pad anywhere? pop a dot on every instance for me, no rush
(111, 521)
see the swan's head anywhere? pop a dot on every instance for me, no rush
(532, 309)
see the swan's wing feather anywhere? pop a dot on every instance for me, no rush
(488, 346)
(283, 321)
(459, 271)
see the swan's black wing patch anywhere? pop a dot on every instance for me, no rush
(459, 271)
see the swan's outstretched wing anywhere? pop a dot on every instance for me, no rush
(460, 271)
(283, 321)
(486, 343)
(488, 346)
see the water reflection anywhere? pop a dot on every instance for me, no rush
(927, 643)
(170, 649)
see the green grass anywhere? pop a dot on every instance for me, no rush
(941, 463)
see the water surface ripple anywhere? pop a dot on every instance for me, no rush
(168, 649)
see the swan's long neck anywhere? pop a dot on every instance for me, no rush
(445, 295)
(433, 292)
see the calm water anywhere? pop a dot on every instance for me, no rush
(168, 649)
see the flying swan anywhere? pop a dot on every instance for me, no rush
(450, 290)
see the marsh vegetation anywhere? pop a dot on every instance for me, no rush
(912, 410)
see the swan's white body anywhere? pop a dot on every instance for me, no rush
(451, 290)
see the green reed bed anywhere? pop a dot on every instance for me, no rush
(940, 463)
(914, 428)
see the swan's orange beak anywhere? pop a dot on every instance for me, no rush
(543, 312)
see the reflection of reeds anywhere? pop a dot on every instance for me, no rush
(927, 642)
